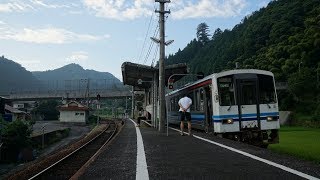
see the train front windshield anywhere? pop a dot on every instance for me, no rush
(249, 94)
(266, 90)
(226, 91)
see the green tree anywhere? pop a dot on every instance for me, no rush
(15, 137)
(203, 33)
(48, 110)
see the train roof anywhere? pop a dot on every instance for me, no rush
(221, 74)
(242, 71)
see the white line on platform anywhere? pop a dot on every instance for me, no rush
(301, 174)
(142, 168)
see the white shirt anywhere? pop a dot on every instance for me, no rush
(185, 102)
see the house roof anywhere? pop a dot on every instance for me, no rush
(13, 110)
(73, 106)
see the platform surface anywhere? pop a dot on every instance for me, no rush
(191, 157)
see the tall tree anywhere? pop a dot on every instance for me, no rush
(203, 33)
(216, 33)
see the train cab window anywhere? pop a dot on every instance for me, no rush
(266, 89)
(226, 91)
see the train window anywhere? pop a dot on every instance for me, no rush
(201, 100)
(266, 89)
(193, 106)
(226, 91)
(197, 100)
(174, 104)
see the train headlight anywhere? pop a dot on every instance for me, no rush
(272, 118)
(269, 118)
(227, 121)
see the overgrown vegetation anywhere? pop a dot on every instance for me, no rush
(283, 37)
(15, 137)
(47, 110)
(300, 142)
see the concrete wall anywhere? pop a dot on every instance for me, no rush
(73, 116)
(284, 117)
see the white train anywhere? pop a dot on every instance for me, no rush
(238, 104)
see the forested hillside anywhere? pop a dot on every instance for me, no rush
(74, 77)
(14, 77)
(283, 38)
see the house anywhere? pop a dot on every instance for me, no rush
(12, 114)
(73, 112)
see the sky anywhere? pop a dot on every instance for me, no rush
(102, 34)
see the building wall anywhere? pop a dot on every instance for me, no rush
(73, 116)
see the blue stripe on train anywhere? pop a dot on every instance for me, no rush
(246, 115)
(235, 117)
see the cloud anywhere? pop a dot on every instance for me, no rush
(207, 8)
(181, 9)
(78, 56)
(31, 5)
(120, 9)
(15, 6)
(46, 35)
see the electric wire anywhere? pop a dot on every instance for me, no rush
(145, 38)
(151, 44)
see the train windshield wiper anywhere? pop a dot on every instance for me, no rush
(268, 105)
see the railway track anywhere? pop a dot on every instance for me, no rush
(66, 162)
(68, 165)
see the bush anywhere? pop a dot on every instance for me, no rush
(15, 137)
(47, 110)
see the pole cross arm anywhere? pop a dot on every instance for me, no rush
(163, 12)
(163, 1)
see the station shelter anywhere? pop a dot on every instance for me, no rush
(145, 81)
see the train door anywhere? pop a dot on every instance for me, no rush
(247, 95)
(208, 108)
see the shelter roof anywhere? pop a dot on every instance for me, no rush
(132, 72)
(13, 110)
(73, 106)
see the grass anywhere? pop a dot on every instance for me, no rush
(301, 142)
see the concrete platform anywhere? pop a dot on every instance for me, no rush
(201, 156)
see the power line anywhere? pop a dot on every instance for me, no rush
(155, 56)
(151, 44)
(145, 38)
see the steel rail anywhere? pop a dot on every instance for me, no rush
(70, 154)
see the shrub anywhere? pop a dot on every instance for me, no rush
(15, 137)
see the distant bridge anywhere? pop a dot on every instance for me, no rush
(71, 94)
(82, 94)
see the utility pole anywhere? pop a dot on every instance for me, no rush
(162, 102)
(132, 103)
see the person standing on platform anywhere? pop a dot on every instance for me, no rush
(184, 104)
(140, 117)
